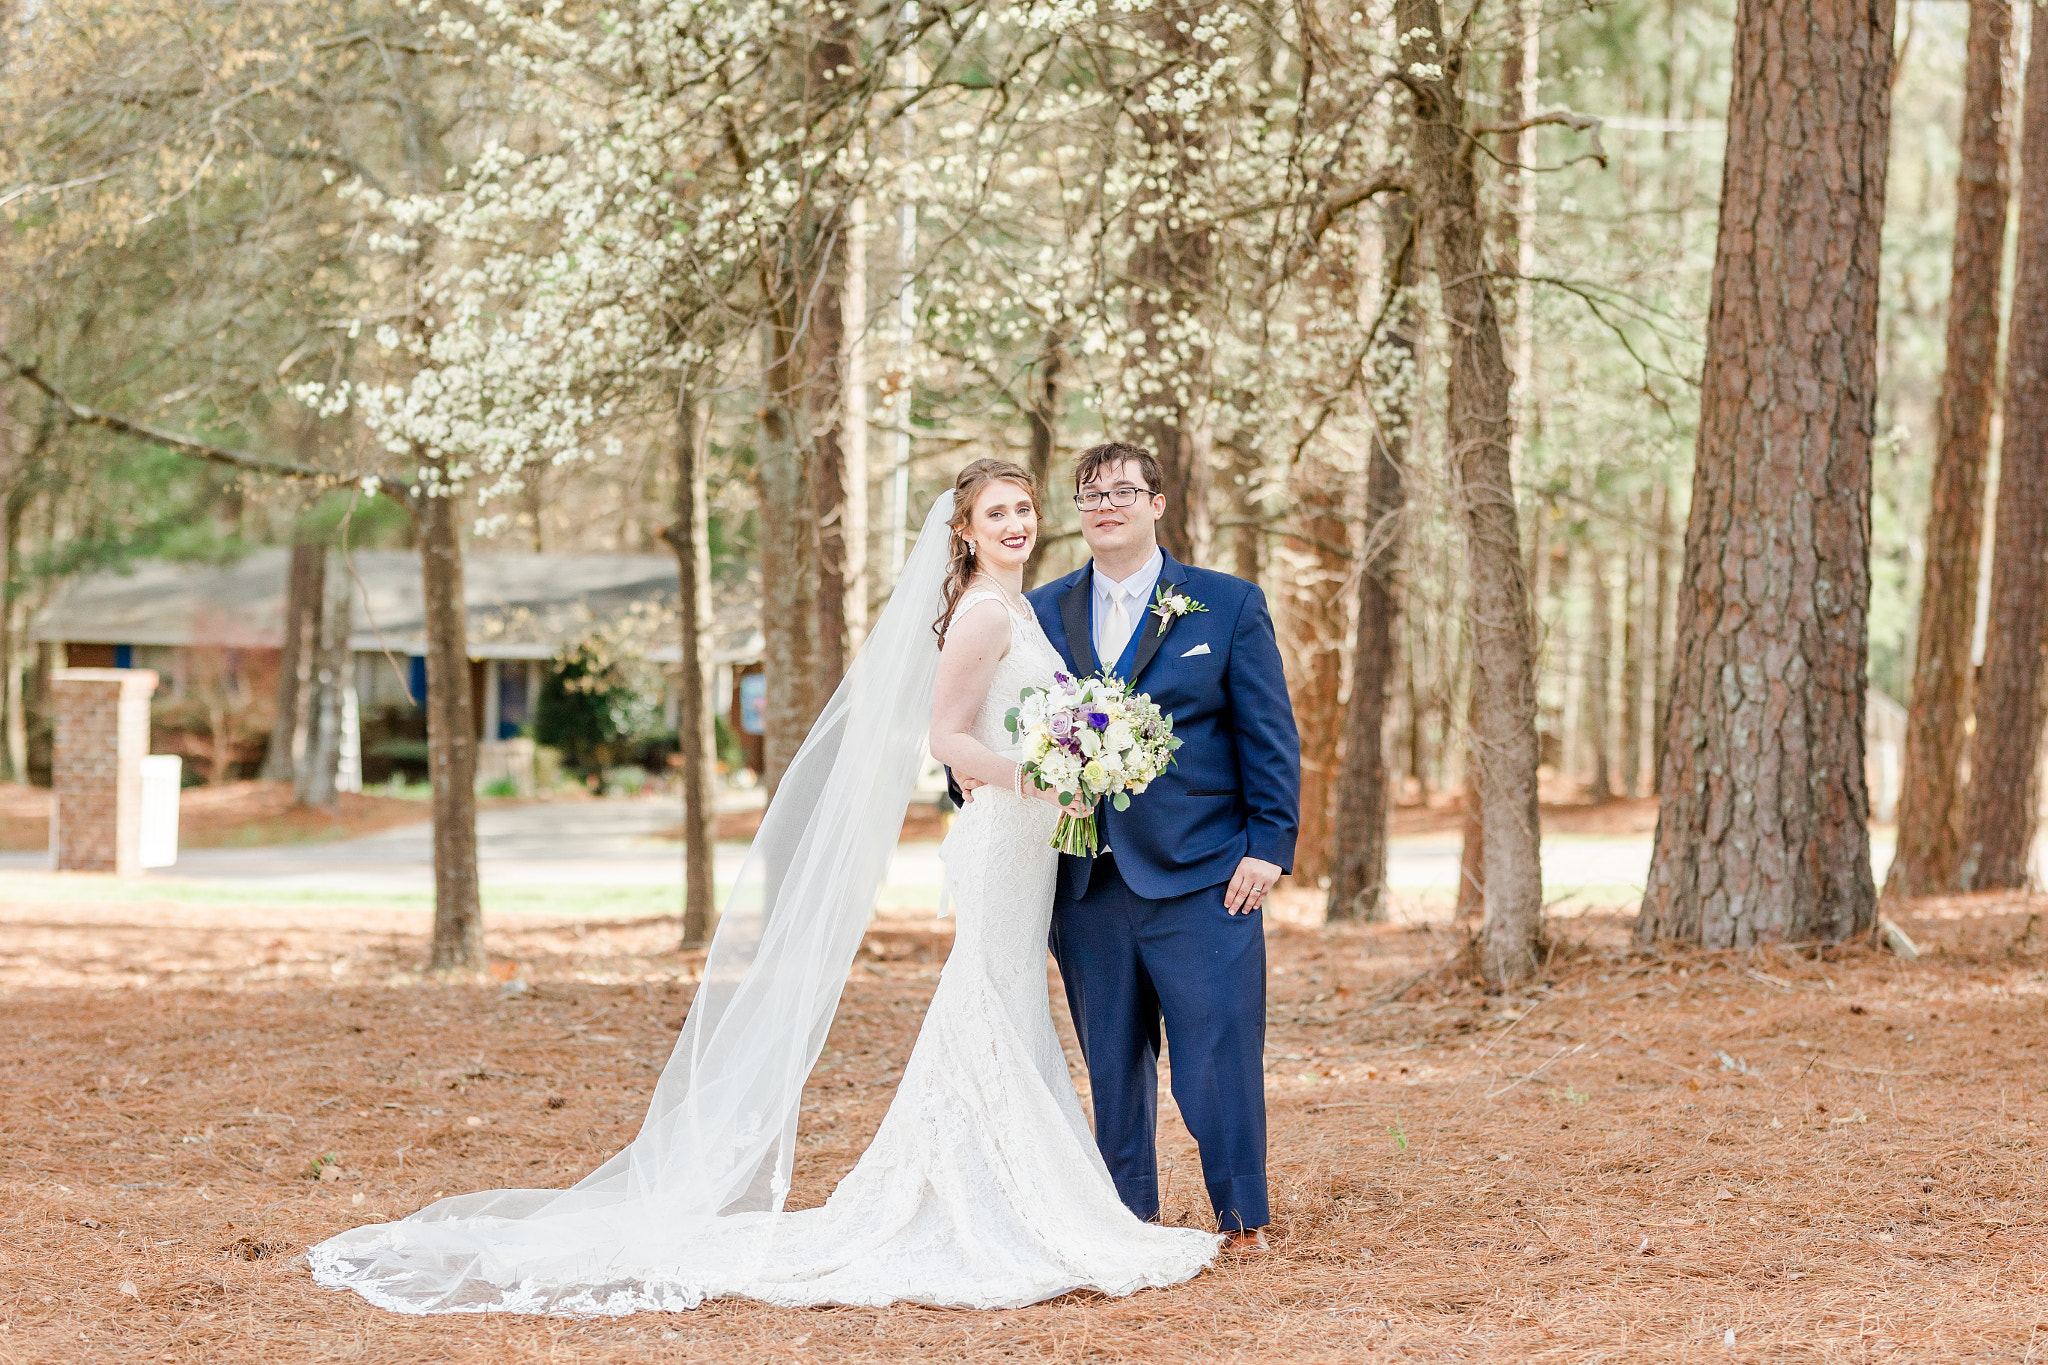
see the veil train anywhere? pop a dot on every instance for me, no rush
(719, 1139)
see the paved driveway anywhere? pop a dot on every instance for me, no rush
(612, 843)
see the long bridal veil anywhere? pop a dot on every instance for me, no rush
(711, 1165)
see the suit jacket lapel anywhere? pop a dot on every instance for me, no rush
(1171, 574)
(1074, 615)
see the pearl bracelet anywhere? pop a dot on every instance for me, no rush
(1017, 782)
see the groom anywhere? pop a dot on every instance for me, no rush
(1165, 924)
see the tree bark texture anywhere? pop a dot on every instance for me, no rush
(1315, 570)
(1498, 610)
(689, 537)
(1660, 636)
(1599, 679)
(1762, 829)
(2005, 751)
(1632, 669)
(451, 734)
(1042, 415)
(1358, 840)
(1172, 273)
(789, 564)
(328, 678)
(1478, 427)
(14, 645)
(1931, 802)
(1416, 747)
(1472, 846)
(825, 396)
(1247, 530)
(305, 579)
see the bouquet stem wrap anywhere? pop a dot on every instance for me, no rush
(1078, 836)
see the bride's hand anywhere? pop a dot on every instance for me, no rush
(1077, 807)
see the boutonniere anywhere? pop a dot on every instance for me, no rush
(1170, 606)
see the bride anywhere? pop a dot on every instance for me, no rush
(983, 1187)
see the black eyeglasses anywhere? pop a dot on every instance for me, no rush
(1115, 497)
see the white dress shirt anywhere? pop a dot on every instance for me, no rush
(1135, 596)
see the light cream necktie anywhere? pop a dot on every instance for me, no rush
(1119, 633)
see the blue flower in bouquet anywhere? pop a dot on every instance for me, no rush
(1090, 741)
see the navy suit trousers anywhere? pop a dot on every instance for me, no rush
(1129, 964)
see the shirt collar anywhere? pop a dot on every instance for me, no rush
(1139, 583)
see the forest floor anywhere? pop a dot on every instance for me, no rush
(1834, 1155)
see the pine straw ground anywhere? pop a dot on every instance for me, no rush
(1833, 1155)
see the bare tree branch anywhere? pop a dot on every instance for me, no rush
(79, 414)
(1561, 118)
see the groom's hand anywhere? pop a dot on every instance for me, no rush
(967, 787)
(1248, 888)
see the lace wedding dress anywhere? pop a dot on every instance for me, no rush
(982, 1188)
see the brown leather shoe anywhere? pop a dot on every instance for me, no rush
(1246, 1242)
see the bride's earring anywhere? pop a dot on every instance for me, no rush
(970, 546)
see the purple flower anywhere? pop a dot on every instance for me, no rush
(1062, 724)
(1099, 719)
(1062, 679)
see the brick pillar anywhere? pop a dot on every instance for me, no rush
(102, 735)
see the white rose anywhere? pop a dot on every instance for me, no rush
(1119, 735)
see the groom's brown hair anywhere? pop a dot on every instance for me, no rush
(1091, 462)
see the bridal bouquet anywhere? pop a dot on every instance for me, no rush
(1093, 737)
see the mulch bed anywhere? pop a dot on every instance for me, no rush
(1833, 1155)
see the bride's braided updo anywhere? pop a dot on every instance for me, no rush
(966, 490)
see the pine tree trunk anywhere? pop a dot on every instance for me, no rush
(1931, 802)
(1313, 621)
(1763, 832)
(1472, 846)
(1599, 671)
(1632, 669)
(1572, 696)
(451, 735)
(13, 639)
(824, 393)
(304, 582)
(1247, 534)
(2005, 751)
(689, 537)
(1358, 842)
(789, 565)
(1417, 746)
(1042, 413)
(854, 435)
(1660, 638)
(1478, 429)
(329, 679)
(1172, 274)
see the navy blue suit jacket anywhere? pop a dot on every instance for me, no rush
(1234, 789)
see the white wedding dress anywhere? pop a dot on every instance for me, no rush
(982, 1188)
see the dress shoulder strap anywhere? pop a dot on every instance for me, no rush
(980, 595)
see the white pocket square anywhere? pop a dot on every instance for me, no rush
(1198, 649)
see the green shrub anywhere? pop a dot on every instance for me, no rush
(625, 781)
(593, 713)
